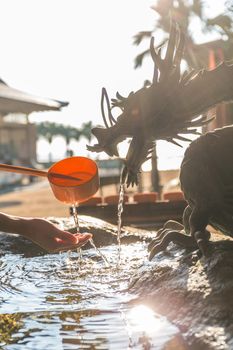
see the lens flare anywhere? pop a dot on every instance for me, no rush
(143, 319)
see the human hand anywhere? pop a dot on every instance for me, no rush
(51, 238)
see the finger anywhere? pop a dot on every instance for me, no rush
(83, 237)
(67, 236)
(80, 241)
(73, 239)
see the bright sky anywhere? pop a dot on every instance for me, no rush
(70, 49)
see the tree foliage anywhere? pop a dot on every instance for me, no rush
(49, 130)
(184, 12)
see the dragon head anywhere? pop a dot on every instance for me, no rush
(169, 107)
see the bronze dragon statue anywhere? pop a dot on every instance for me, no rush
(172, 106)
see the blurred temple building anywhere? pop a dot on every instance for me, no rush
(209, 55)
(17, 135)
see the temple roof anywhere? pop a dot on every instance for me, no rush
(16, 101)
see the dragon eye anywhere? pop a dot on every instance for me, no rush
(135, 112)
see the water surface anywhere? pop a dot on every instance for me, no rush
(59, 304)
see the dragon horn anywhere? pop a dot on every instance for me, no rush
(180, 49)
(166, 65)
(156, 59)
(171, 47)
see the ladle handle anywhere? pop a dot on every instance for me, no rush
(34, 172)
(23, 170)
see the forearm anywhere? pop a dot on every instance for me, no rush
(13, 224)
(42, 232)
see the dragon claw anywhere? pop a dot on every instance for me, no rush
(129, 177)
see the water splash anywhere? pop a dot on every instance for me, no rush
(76, 222)
(99, 252)
(79, 250)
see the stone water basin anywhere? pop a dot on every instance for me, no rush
(52, 301)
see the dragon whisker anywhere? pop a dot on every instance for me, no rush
(187, 76)
(181, 138)
(103, 96)
(110, 116)
(174, 142)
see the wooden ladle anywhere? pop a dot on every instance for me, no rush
(72, 180)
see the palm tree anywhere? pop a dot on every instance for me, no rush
(183, 12)
(47, 130)
(86, 130)
(70, 133)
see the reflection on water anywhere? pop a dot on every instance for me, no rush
(142, 318)
(144, 327)
(60, 306)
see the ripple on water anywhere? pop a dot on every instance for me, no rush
(63, 305)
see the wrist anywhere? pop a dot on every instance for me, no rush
(25, 227)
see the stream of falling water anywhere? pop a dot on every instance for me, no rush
(119, 219)
(79, 250)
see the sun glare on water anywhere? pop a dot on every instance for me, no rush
(143, 319)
